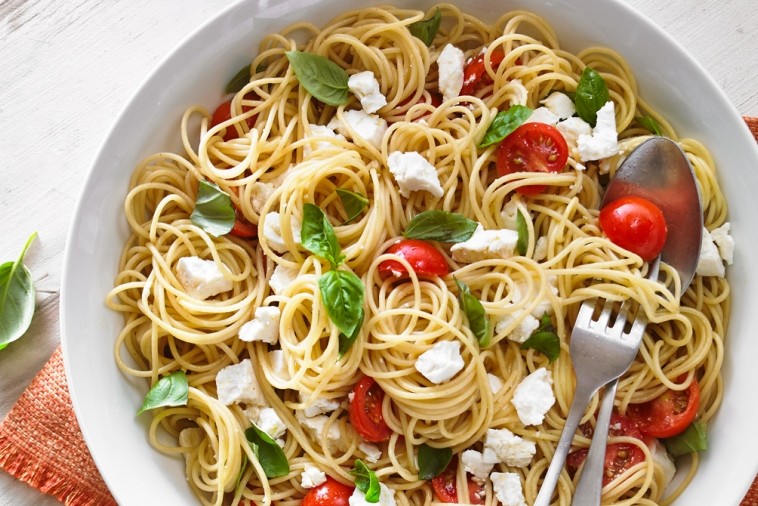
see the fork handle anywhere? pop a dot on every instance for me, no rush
(582, 397)
(590, 483)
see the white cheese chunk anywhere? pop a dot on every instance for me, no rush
(709, 263)
(543, 115)
(510, 211)
(559, 104)
(724, 242)
(534, 397)
(386, 497)
(201, 278)
(413, 172)
(281, 278)
(503, 446)
(320, 132)
(450, 63)
(661, 457)
(279, 365)
(604, 139)
(318, 405)
(544, 305)
(522, 330)
(373, 453)
(316, 425)
(485, 244)
(365, 86)
(237, 383)
(312, 476)
(441, 362)
(368, 127)
(507, 489)
(263, 327)
(540, 249)
(494, 382)
(259, 194)
(272, 231)
(571, 129)
(473, 462)
(518, 92)
(270, 423)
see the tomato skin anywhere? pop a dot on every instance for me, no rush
(329, 493)
(365, 411)
(669, 414)
(532, 147)
(243, 228)
(224, 112)
(424, 258)
(635, 224)
(475, 74)
(446, 489)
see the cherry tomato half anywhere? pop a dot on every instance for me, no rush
(366, 411)
(532, 147)
(669, 414)
(635, 224)
(329, 493)
(475, 75)
(424, 258)
(243, 228)
(446, 489)
(223, 113)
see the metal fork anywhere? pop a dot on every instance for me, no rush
(600, 354)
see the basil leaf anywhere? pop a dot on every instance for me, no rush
(693, 439)
(342, 296)
(591, 95)
(346, 342)
(426, 29)
(443, 226)
(366, 481)
(649, 123)
(16, 298)
(270, 455)
(504, 123)
(213, 210)
(320, 76)
(317, 235)
(432, 461)
(474, 311)
(354, 203)
(243, 467)
(240, 79)
(523, 233)
(171, 390)
(544, 339)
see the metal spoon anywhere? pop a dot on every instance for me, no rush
(659, 171)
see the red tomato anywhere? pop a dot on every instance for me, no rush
(434, 99)
(243, 228)
(532, 147)
(667, 415)
(329, 493)
(366, 411)
(475, 75)
(446, 489)
(635, 224)
(424, 258)
(223, 113)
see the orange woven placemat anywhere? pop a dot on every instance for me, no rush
(42, 445)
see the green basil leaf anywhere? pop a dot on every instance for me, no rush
(474, 311)
(693, 439)
(270, 455)
(342, 294)
(544, 339)
(243, 467)
(213, 211)
(171, 390)
(432, 461)
(16, 298)
(240, 79)
(426, 29)
(320, 76)
(504, 123)
(443, 226)
(354, 203)
(591, 95)
(649, 123)
(346, 342)
(317, 235)
(523, 233)
(366, 481)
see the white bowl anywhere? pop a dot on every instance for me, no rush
(197, 71)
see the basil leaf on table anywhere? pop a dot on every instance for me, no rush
(270, 455)
(523, 233)
(544, 339)
(474, 311)
(504, 123)
(317, 235)
(321, 77)
(432, 461)
(354, 203)
(591, 95)
(443, 226)
(240, 79)
(426, 29)
(693, 439)
(16, 298)
(342, 294)
(171, 390)
(366, 481)
(649, 123)
(346, 341)
(213, 211)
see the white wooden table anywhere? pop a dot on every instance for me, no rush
(68, 68)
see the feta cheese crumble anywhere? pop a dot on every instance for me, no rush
(485, 244)
(507, 489)
(522, 330)
(494, 382)
(322, 132)
(503, 446)
(368, 127)
(709, 263)
(317, 405)
(312, 476)
(450, 63)
(270, 423)
(604, 139)
(259, 194)
(263, 327)
(281, 278)
(272, 231)
(473, 462)
(534, 397)
(441, 362)
(373, 453)
(365, 86)
(201, 278)
(413, 172)
(724, 242)
(279, 365)
(543, 115)
(572, 129)
(237, 383)
(559, 104)
(386, 497)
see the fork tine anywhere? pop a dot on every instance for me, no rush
(586, 310)
(621, 317)
(639, 324)
(605, 314)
